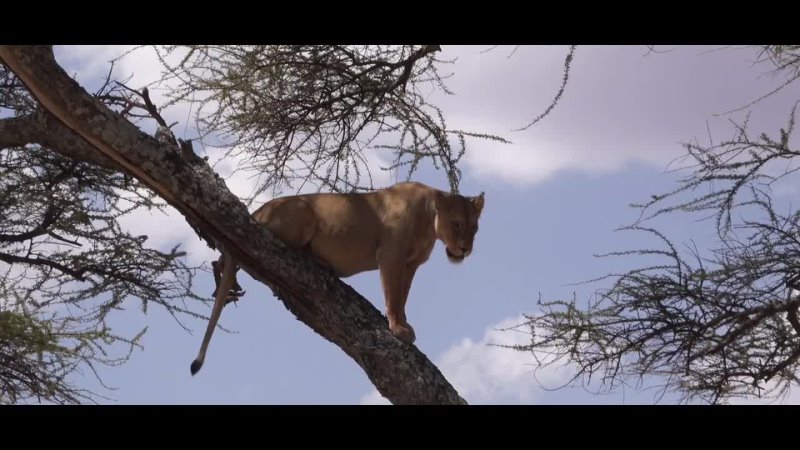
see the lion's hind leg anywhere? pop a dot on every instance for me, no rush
(290, 219)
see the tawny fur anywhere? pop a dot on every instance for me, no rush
(392, 230)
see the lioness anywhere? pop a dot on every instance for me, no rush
(393, 230)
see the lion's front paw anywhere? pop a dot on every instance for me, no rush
(404, 332)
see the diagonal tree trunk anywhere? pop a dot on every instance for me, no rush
(401, 373)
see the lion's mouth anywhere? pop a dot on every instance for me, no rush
(453, 258)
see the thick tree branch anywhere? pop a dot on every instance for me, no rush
(333, 309)
(44, 129)
(17, 131)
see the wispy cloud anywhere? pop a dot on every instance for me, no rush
(619, 108)
(485, 374)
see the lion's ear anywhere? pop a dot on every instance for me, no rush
(478, 202)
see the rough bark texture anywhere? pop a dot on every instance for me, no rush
(44, 129)
(401, 373)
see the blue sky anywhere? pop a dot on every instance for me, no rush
(553, 199)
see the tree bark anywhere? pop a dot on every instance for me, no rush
(400, 372)
(44, 129)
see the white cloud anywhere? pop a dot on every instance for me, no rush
(87, 62)
(90, 64)
(618, 109)
(485, 374)
(530, 160)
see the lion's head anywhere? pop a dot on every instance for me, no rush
(456, 224)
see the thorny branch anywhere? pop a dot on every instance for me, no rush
(313, 114)
(710, 327)
(66, 262)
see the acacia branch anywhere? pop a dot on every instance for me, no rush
(11, 259)
(791, 315)
(50, 216)
(401, 373)
(309, 113)
(559, 94)
(44, 129)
